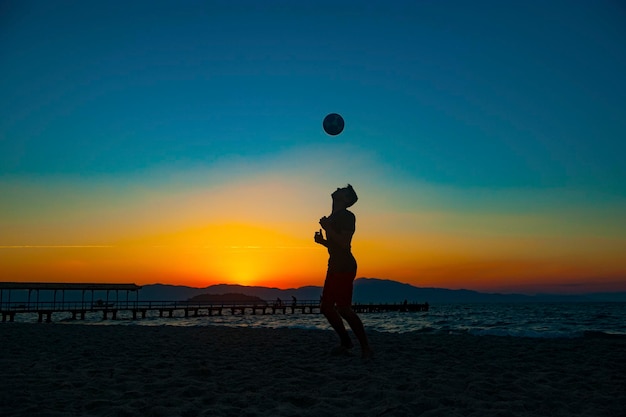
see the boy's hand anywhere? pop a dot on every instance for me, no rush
(319, 238)
(325, 222)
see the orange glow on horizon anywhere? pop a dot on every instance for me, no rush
(283, 255)
(257, 256)
(229, 253)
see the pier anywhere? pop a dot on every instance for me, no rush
(57, 293)
(127, 307)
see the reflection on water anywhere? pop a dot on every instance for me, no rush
(524, 320)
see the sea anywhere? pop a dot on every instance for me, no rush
(532, 320)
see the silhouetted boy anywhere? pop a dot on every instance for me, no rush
(337, 292)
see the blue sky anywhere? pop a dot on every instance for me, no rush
(469, 108)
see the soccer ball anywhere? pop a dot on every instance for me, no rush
(333, 124)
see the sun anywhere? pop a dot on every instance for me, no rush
(244, 273)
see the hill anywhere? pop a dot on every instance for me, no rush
(227, 298)
(371, 290)
(366, 290)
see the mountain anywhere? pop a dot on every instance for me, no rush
(366, 290)
(227, 298)
(161, 292)
(373, 290)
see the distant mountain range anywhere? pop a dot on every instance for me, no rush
(366, 290)
(370, 290)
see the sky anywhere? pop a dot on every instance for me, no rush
(181, 142)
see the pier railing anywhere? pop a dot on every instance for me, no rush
(167, 308)
(33, 306)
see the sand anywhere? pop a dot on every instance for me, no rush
(89, 370)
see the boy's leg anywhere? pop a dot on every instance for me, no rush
(336, 323)
(357, 327)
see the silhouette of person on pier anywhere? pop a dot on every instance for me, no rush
(337, 293)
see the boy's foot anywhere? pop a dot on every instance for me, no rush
(367, 354)
(341, 351)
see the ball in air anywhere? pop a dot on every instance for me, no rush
(333, 124)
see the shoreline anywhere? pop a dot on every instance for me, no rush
(87, 370)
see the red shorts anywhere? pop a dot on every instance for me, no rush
(338, 288)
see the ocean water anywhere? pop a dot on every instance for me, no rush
(536, 320)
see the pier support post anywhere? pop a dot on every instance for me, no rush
(9, 314)
(142, 311)
(48, 315)
(78, 314)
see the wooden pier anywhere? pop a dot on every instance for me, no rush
(114, 309)
(171, 309)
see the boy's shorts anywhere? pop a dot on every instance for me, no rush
(338, 288)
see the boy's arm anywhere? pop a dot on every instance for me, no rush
(319, 238)
(342, 239)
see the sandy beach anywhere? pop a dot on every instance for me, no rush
(90, 370)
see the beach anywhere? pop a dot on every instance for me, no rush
(112, 370)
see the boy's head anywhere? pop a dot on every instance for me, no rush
(347, 195)
(351, 195)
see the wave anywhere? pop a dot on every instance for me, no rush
(595, 334)
(534, 334)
